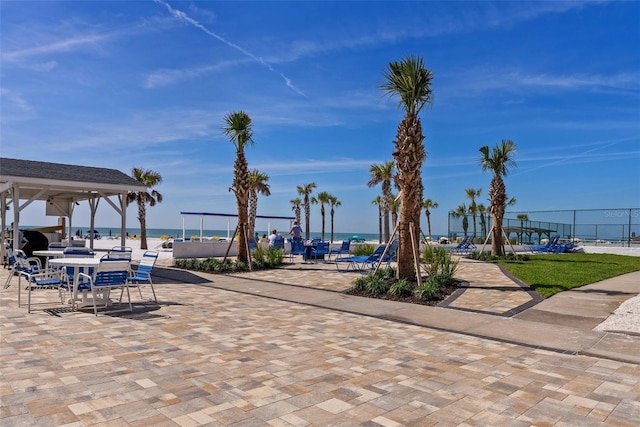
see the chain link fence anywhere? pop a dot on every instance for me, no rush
(591, 226)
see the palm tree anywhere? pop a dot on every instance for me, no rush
(334, 203)
(411, 82)
(461, 211)
(498, 161)
(239, 131)
(426, 205)
(323, 198)
(523, 218)
(257, 185)
(295, 207)
(306, 190)
(394, 208)
(149, 179)
(473, 207)
(378, 201)
(482, 212)
(383, 174)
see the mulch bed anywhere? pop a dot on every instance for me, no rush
(443, 293)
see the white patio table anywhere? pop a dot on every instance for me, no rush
(50, 254)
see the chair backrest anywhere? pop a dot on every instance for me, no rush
(148, 261)
(346, 245)
(322, 248)
(72, 252)
(118, 252)
(379, 250)
(23, 263)
(278, 242)
(112, 273)
(297, 247)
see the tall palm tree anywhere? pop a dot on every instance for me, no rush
(394, 208)
(482, 212)
(461, 211)
(383, 174)
(473, 207)
(257, 185)
(323, 198)
(411, 82)
(149, 179)
(295, 207)
(378, 202)
(237, 127)
(426, 205)
(334, 203)
(523, 218)
(498, 161)
(306, 190)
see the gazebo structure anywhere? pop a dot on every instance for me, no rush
(62, 187)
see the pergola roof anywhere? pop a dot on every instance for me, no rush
(62, 186)
(43, 180)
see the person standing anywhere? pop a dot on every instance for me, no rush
(296, 232)
(272, 237)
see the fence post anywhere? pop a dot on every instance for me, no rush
(629, 231)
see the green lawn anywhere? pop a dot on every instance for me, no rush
(552, 273)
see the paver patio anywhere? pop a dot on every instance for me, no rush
(260, 349)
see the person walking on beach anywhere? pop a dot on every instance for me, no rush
(272, 237)
(296, 232)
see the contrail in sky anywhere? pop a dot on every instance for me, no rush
(181, 15)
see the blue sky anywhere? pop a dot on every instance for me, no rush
(122, 84)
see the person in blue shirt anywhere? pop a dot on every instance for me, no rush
(296, 232)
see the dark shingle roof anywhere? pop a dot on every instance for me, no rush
(64, 172)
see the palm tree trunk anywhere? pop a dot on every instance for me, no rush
(332, 212)
(323, 215)
(142, 217)
(241, 185)
(409, 156)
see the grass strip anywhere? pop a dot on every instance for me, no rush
(549, 274)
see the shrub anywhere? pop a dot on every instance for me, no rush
(439, 261)
(366, 249)
(400, 288)
(274, 256)
(376, 285)
(428, 289)
(360, 284)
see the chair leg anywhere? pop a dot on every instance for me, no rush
(8, 282)
(153, 290)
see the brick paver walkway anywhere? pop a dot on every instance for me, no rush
(210, 356)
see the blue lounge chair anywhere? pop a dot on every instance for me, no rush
(343, 249)
(362, 262)
(546, 247)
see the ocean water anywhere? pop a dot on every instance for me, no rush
(175, 232)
